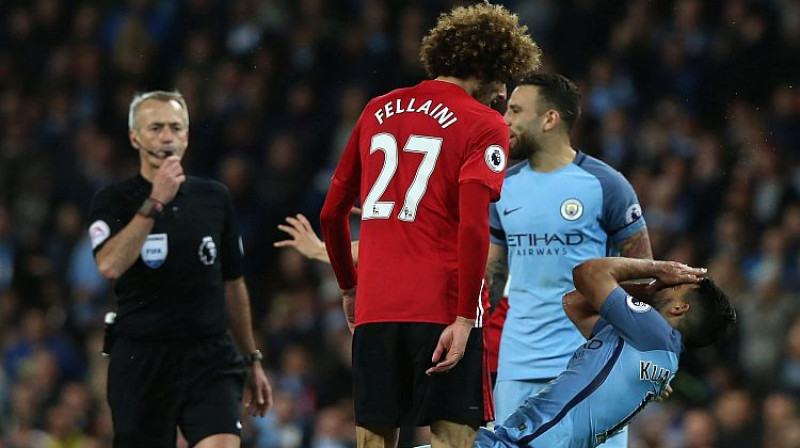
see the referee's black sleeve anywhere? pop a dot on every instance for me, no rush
(232, 248)
(106, 216)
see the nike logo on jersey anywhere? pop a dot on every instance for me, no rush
(507, 212)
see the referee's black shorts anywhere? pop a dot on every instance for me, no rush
(390, 387)
(154, 387)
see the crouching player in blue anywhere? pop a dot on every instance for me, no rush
(631, 354)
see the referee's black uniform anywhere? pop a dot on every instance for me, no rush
(172, 362)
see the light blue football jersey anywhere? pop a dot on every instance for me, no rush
(631, 357)
(550, 223)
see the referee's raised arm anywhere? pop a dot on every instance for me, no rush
(121, 251)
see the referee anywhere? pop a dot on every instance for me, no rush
(171, 245)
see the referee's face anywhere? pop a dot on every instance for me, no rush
(161, 131)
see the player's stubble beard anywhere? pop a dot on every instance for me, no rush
(524, 147)
(486, 93)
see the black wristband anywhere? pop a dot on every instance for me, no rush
(253, 357)
(151, 208)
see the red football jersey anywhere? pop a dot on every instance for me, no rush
(407, 155)
(492, 330)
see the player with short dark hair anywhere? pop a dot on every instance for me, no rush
(559, 207)
(635, 336)
(171, 245)
(426, 162)
(556, 92)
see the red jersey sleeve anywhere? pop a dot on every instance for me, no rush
(345, 187)
(348, 171)
(473, 245)
(486, 157)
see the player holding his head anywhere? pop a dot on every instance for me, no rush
(635, 336)
(426, 162)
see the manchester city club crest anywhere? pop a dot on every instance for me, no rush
(155, 249)
(571, 209)
(207, 251)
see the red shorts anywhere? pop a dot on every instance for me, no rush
(492, 329)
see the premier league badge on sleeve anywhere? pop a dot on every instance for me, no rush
(637, 306)
(154, 251)
(99, 232)
(633, 213)
(207, 251)
(495, 158)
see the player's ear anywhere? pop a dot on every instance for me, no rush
(680, 309)
(551, 119)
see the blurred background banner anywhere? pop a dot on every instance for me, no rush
(697, 102)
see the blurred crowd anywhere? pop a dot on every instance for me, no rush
(696, 101)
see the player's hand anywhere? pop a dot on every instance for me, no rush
(671, 273)
(260, 391)
(664, 394)
(169, 178)
(349, 306)
(452, 343)
(304, 240)
(640, 290)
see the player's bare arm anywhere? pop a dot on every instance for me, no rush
(349, 308)
(595, 279)
(303, 238)
(120, 252)
(496, 273)
(306, 241)
(580, 312)
(584, 316)
(637, 245)
(237, 305)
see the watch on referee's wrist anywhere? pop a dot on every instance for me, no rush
(151, 208)
(253, 357)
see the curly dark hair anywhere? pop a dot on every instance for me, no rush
(484, 40)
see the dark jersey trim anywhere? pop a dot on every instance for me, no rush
(497, 233)
(582, 395)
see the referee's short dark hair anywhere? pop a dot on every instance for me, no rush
(559, 93)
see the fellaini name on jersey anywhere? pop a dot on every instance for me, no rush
(441, 113)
